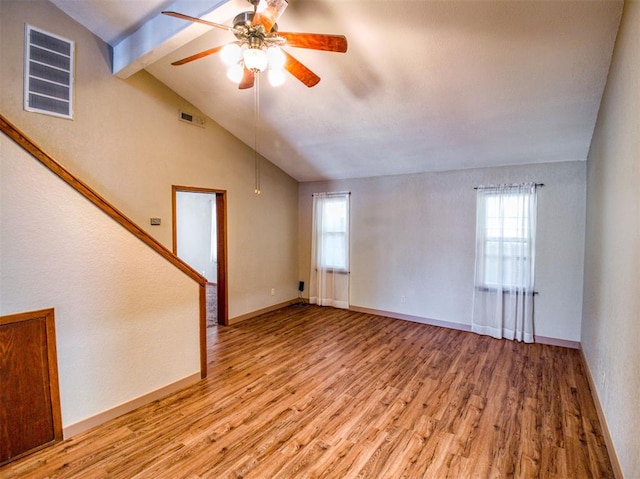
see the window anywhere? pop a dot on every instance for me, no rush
(329, 280)
(333, 239)
(505, 261)
(504, 237)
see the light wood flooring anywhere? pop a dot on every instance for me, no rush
(310, 392)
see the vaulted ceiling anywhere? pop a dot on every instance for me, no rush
(424, 85)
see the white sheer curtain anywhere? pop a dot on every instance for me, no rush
(505, 261)
(329, 282)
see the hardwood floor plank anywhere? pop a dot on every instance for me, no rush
(310, 392)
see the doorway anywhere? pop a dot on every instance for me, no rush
(200, 240)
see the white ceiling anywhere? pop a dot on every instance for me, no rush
(424, 86)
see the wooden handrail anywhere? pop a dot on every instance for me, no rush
(85, 190)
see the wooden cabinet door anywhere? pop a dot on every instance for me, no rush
(29, 398)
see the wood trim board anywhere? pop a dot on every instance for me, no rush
(100, 418)
(615, 463)
(89, 193)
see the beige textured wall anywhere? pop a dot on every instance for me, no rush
(413, 236)
(127, 143)
(611, 323)
(127, 320)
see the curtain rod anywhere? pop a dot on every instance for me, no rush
(333, 193)
(498, 186)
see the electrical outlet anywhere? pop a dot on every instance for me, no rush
(155, 221)
(273, 291)
(603, 378)
(403, 299)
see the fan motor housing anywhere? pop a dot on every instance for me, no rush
(244, 18)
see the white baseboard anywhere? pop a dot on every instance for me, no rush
(565, 343)
(613, 457)
(253, 314)
(101, 418)
(458, 326)
(415, 319)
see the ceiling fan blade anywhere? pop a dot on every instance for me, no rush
(197, 20)
(268, 12)
(316, 41)
(248, 78)
(197, 56)
(299, 71)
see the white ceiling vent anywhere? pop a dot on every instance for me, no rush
(193, 119)
(48, 73)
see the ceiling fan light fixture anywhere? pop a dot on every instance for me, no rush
(276, 57)
(276, 76)
(231, 54)
(261, 5)
(235, 73)
(255, 59)
(259, 42)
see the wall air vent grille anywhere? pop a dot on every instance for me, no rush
(191, 118)
(48, 73)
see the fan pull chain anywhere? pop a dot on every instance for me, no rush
(256, 116)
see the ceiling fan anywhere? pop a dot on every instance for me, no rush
(258, 45)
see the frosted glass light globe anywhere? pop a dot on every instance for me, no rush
(231, 54)
(235, 73)
(276, 57)
(276, 76)
(255, 59)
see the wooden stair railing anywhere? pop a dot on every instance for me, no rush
(89, 193)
